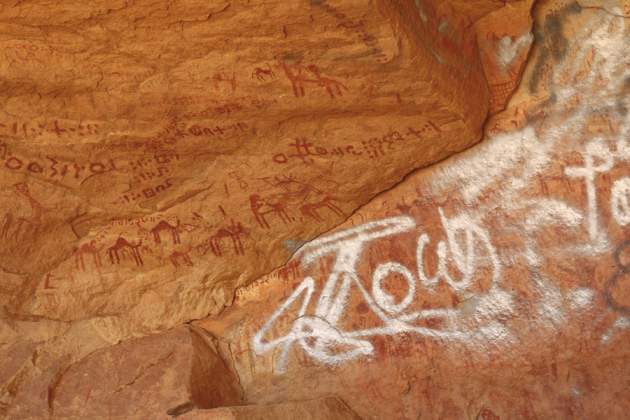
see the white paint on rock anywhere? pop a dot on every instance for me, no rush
(596, 150)
(322, 336)
(581, 298)
(494, 159)
(620, 201)
(622, 323)
(509, 49)
(423, 16)
(506, 164)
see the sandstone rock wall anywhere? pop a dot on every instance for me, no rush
(490, 285)
(204, 214)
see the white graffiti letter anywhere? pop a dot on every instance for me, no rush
(430, 283)
(464, 259)
(594, 149)
(260, 347)
(385, 300)
(318, 335)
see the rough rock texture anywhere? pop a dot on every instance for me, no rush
(491, 285)
(505, 38)
(324, 409)
(156, 155)
(163, 373)
(157, 158)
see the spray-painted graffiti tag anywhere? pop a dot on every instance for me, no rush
(321, 336)
(567, 147)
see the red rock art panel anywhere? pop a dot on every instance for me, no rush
(519, 241)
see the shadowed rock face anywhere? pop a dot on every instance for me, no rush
(203, 212)
(180, 369)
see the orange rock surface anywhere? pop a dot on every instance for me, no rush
(324, 409)
(490, 285)
(279, 209)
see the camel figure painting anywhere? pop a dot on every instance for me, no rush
(164, 226)
(296, 195)
(89, 249)
(122, 244)
(234, 232)
(310, 209)
(261, 207)
(23, 228)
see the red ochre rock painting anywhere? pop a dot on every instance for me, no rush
(454, 174)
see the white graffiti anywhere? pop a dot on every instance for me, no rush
(594, 150)
(320, 336)
(464, 259)
(509, 49)
(506, 165)
(620, 207)
(622, 323)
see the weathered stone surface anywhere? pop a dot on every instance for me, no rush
(165, 159)
(153, 376)
(505, 38)
(324, 409)
(156, 156)
(490, 285)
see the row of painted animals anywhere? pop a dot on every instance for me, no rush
(176, 257)
(120, 245)
(233, 232)
(295, 194)
(278, 205)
